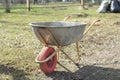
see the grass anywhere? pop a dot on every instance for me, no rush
(19, 46)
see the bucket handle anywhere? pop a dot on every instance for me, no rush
(91, 25)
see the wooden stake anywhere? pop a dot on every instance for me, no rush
(28, 5)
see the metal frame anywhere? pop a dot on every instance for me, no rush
(59, 49)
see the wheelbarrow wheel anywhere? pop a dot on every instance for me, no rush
(49, 66)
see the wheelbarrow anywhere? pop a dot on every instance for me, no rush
(59, 34)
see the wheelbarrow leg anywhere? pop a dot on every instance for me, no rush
(55, 41)
(70, 58)
(64, 67)
(73, 75)
(41, 37)
(78, 52)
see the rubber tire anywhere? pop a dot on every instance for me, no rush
(49, 66)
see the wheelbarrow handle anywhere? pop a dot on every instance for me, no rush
(90, 26)
(66, 18)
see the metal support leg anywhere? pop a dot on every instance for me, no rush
(41, 36)
(64, 67)
(74, 77)
(78, 52)
(55, 41)
(68, 56)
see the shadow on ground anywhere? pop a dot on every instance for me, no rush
(88, 73)
(15, 73)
